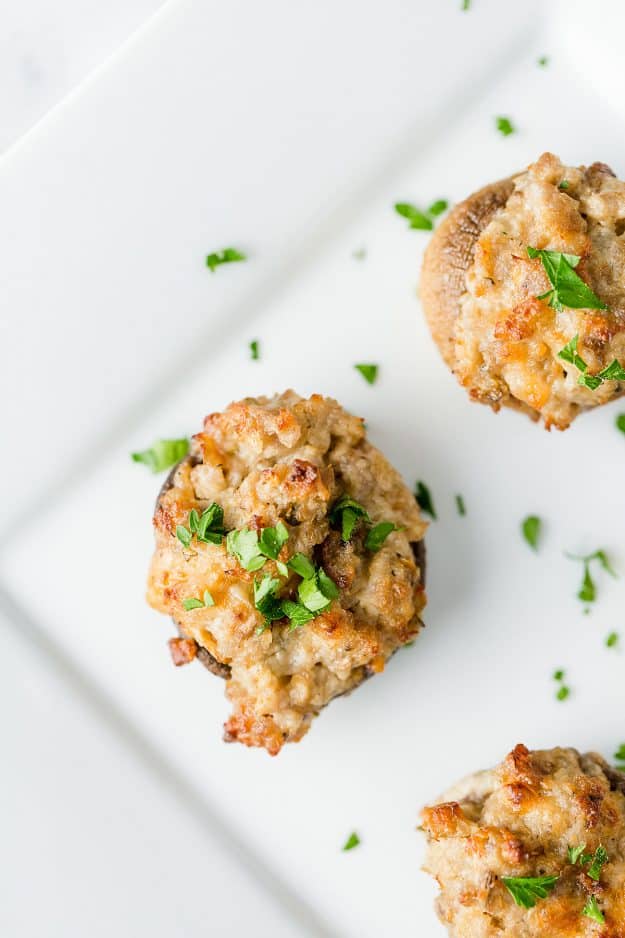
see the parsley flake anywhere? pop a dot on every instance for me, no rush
(505, 126)
(592, 910)
(227, 256)
(378, 534)
(531, 527)
(162, 454)
(527, 890)
(352, 841)
(369, 372)
(317, 592)
(460, 505)
(563, 692)
(204, 603)
(599, 860)
(243, 545)
(421, 220)
(588, 590)
(209, 526)
(347, 511)
(466, 5)
(613, 372)
(424, 499)
(266, 600)
(543, 61)
(574, 853)
(620, 423)
(612, 640)
(255, 350)
(619, 755)
(183, 535)
(301, 565)
(564, 184)
(297, 613)
(568, 288)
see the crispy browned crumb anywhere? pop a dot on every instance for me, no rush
(519, 820)
(288, 459)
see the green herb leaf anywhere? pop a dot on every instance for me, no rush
(564, 184)
(227, 256)
(418, 219)
(190, 604)
(352, 841)
(620, 423)
(592, 910)
(568, 287)
(531, 527)
(599, 860)
(265, 599)
(620, 753)
(460, 505)
(527, 890)
(438, 207)
(183, 535)
(563, 693)
(612, 640)
(466, 5)
(588, 590)
(297, 613)
(301, 565)
(574, 853)
(558, 675)
(244, 546)
(424, 499)
(317, 592)
(283, 570)
(347, 511)
(254, 350)
(162, 454)
(369, 372)
(272, 539)
(209, 527)
(505, 126)
(378, 534)
(543, 61)
(569, 354)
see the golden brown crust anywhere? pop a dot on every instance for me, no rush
(449, 255)
(518, 821)
(488, 303)
(288, 460)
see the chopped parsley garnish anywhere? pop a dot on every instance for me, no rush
(612, 640)
(619, 755)
(460, 505)
(574, 853)
(592, 910)
(227, 256)
(162, 454)
(378, 534)
(599, 860)
(527, 890)
(348, 512)
(588, 590)
(255, 350)
(613, 372)
(209, 526)
(183, 535)
(352, 841)
(620, 423)
(251, 550)
(300, 564)
(564, 184)
(543, 61)
(531, 530)
(297, 613)
(568, 288)
(369, 372)
(563, 691)
(266, 600)
(204, 603)
(424, 499)
(317, 592)
(421, 220)
(505, 126)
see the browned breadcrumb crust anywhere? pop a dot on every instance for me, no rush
(288, 459)
(519, 820)
(479, 289)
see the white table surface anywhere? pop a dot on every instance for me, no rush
(104, 835)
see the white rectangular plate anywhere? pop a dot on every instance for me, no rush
(500, 619)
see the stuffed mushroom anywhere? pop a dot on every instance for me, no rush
(523, 286)
(533, 848)
(289, 554)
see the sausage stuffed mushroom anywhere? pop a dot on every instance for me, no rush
(289, 554)
(533, 848)
(523, 286)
